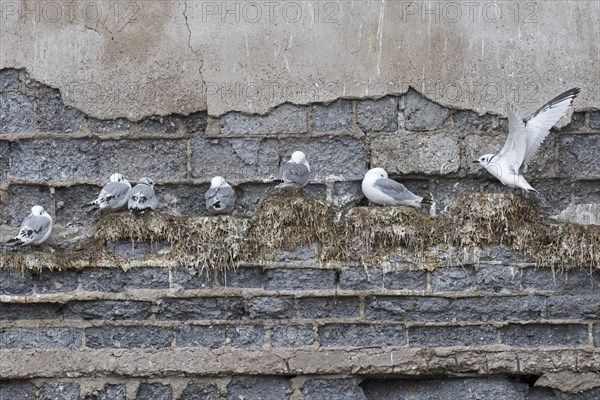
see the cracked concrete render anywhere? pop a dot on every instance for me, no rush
(133, 59)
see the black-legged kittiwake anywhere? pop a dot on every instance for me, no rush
(220, 197)
(35, 229)
(524, 140)
(387, 192)
(114, 194)
(142, 197)
(295, 173)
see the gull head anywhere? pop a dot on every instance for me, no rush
(37, 210)
(298, 157)
(147, 181)
(376, 173)
(484, 160)
(217, 181)
(117, 177)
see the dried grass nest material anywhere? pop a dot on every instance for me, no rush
(359, 234)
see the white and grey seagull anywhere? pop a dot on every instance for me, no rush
(524, 140)
(295, 173)
(142, 197)
(113, 196)
(35, 229)
(220, 197)
(381, 190)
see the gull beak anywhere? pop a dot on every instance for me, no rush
(476, 162)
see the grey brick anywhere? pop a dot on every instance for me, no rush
(4, 157)
(408, 308)
(595, 119)
(196, 122)
(300, 279)
(555, 192)
(361, 335)
(452, 279)
(9, 79)
(245, 336)
(191, 278)
(333, 389)
(249, 196)
(586, 192)
(544, 335)
(55, 159)
(159, 124)
(17, 390)
(20, 311)
(578, 280)
(154, 391)
(498, 278)
(579, 155)
(136, 250)
(40, 338)
(292, 335)
(16, 113)
(183, 199)
(577, 122)
(59, 391)
(345, 194)
(148, 278)
(206, 308)
(300, 253)
(110, 392)
(114, 310)
(447, 336)
(259, 388)
(276, 307)
(234, 159)
(596, 333)
(421, 114)
(519, 308)
(405, 280)
(336, 116)
(128, 337)
(540, 393)
(159, 159)
(542, 279)
(328, 307)
(287, 118)
(32, 83)
(68, 205)
(593, 394)
(212, 336)
(502, 253)
(446, 191)
(54, 116)
(22, 198)
(361, 278)
(103, 279)
(15, 282)
(377, 115)
(108, 125)
(467, 121)
(583, 306)
(196, 391)
(243, 277)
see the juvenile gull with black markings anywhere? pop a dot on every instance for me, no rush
(142, 197)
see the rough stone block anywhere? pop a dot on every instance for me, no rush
(345, 194)
(377, 115)
(22, 390)
(157, 159)
(243, 277)
(15, 282)
(292, 335)
(183, 199)
(245, 336)
(453, 279)
(68, 205)
(59, 391)
(437, 154)
(54, 116)
(361, 335)
(128, 337)
(504, 254)
(9, 79)
(583, 306)
(19, 311)
(32, 83)
(579, 155)
(40, 338)
(117, 125)
(595, 119)
(544, 335)
(542, 279)
(135, 250)
(446, 191)
(556, 193)
(109, 392)
(16, 113)
(405, 280)
(194, 391)
(300, 253)
(196, 122)
(259, 387)
(212, 336)
(596, 333)
(577, 123)
(519, 308)
(328, 307)
(336, 116)
(300, 279)
(250, 194)
(361, 278)
(148, 278)
(22, 198)
(498, 278)
(287, 118)
(468, 121)
(332, 389)
(103, 279)
(448, 336)
(408, 308)
(202, 308)
(191, 278)
(114, 310)
(421, 114)
(4, 157)
(578, 280)
(154, 391)
(585, 192)
(55, 159)
(159, 124)
(276, 307)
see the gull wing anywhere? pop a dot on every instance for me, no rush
(515, 147)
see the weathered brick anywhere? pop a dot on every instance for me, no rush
(212, 336)
(447, 336)
(300, 253)
(446, 191)
(519, 308)
(276, 307)
(583, 306)
(191, 278)
(234, 159)
(207, 308)
(377, 115)
(245, 336)
(328, 307)
(300, 279)
(196, 391)
(408, 308)
(196, 122)
(579, 155)
(22, 198)
(556, 193)
(128, 337)
(9, 79)
(54, 116)
(159, 124)
(59, 390)
(345, 194)
(421, 114)
(577, 122)
(16, 113)
(332, 389)
(287, 118)
(578, 280)
(467, 121)
(55, 159)
(595, 119)
(21, 390)
(596, 333)
(498, 278)
(292, 335)
(502, 253)
(249, 195)
(136, 250)
(19, 311)
(336, 116)
(108, 310)
(542, 279)
(103, 279)
(32, 83)
(158, 159)
(68, 205)
(154, 391)
(109, 392)
(361, 278)
(544, 335)
(183, 199)
(4, 157)
(243, 277)
(361, 335)
(108, 126)
(453, 279)
(405, 280)
(259, 387)
(586, 192)
(40, 338)
(148, 278)
(15, 282)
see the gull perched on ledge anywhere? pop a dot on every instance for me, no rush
(220, 197)
(35, 229)
(142, 197)
(387, 192)
(113, 196)
(295, 173)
